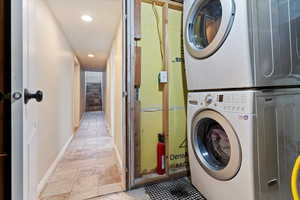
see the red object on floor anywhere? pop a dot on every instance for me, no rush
(161, 155)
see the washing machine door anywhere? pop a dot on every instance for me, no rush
(216, 145)
(208, 24)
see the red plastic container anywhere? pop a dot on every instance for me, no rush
(161, 155)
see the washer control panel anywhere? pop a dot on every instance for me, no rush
(241, 101)
(208, 99)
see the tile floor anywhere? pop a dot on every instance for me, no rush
(89, 167)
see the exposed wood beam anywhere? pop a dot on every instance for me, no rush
(137, 20)
(172, 4)
(165, 100)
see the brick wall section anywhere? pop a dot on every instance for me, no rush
(93, 97)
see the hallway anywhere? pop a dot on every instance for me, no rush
(89, 167)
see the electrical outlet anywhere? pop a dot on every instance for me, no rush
(163, 77)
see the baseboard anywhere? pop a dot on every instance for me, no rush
(120, 162)
(51, 169)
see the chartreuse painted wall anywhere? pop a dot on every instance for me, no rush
(150, 94)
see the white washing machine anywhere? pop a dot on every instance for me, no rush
(243, 144)
(241, 43)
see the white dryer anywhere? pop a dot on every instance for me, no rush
(241, 43)
(242, 144)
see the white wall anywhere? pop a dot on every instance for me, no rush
(113, 93)
(50, 68)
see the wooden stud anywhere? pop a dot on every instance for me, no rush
(137, 20)
(137, 138)
(165, 95)
(138, 66)
(171, 4)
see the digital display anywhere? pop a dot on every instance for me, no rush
(220, 98)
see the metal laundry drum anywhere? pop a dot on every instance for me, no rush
(208, 24)
(216, 145)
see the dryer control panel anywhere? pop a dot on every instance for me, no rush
(237, 101)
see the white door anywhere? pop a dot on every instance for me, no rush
(32, 67)
(24, 112)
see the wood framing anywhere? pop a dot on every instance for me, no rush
(137, 19)
(137, 137)
(138, 66)
(140, 178)
(165, 99)
(171, 4)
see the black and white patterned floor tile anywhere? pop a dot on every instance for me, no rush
(180, 189)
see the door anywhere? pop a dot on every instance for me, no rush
(216, 145)
(207, 26)
(23, 110)
(31, 109)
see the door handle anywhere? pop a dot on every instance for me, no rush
(38, 96)
(272, 182)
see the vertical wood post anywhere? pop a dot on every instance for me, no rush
(165, 100)
(137, 19)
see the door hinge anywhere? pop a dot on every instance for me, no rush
(5, 96)
(10, 97)
(125, 94)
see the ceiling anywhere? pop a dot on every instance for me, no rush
(85, 38)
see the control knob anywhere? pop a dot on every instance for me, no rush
(208, 99)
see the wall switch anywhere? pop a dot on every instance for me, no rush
(163, 77)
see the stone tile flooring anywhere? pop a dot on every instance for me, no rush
(89, 167)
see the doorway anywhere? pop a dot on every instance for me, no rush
(61, 140)
(94, 91)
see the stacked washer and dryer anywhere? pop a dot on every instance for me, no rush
(242, 62)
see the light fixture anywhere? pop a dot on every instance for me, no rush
(86, 18)
(91, 56)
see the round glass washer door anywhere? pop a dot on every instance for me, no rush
(208, 25)
(216, 145)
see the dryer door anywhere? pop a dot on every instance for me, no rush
(216, 145)
(207, 26)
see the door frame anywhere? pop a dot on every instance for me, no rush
(129, 91)
(18, 66)
(18, 187)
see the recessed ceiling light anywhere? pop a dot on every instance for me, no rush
(91, 56)
(86, 18)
